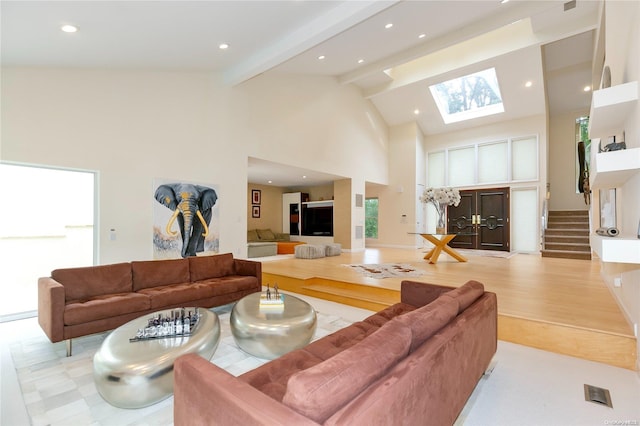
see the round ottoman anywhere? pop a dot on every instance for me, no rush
(333, 249)
(309, 251)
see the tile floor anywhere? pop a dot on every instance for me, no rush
(40, 386)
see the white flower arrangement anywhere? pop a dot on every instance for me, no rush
(441, 197)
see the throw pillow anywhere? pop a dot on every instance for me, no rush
(266, 234)
(252, 236)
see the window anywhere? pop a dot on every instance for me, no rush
(582, 135)
(371, 218)
(471, 96)
(46, 225)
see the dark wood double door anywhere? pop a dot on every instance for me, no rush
(481, 220)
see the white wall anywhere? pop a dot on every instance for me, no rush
(134, 126)
(563, 156)
(622, 45)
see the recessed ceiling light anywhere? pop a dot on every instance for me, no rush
(422, 36)
(389, 25)
(504, 1)
(321, 57)
(360, 61)
(269, 181)
(304, 177)
(223, 46)
(416, 111)
(528, 84)
(587, 88)
(69, 28)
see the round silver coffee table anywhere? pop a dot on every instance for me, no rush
(137, 374)
(271, 332)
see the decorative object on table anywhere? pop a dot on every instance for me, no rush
(608, 232)
(441, 198)
(387, 270)
(612, 145)
(176, 324)
(607, 208)
(271, 298)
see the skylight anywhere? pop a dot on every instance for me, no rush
(471, 96)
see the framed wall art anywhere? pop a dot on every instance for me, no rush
(256, 196)
(255, 211)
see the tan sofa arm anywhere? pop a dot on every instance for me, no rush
(205, 394)
(420, 294)
(51, 304)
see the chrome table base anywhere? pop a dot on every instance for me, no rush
(138, 374)
(271, 332)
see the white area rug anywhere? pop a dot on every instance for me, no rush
(59, 390)
(387, 270)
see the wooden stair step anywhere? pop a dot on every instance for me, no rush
(569, 213)
(577, 239)
(567, 232)
(369, 297)
(567, 246)
(566, 254)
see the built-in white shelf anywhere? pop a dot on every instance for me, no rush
(612, 169)
(610, 108)
(618, 249)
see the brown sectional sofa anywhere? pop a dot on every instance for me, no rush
(75, 302)
(414, 363)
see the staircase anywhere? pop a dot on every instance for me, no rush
(567, 235)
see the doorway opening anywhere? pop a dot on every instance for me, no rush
(48, 223)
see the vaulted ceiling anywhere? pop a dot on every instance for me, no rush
(546, 42)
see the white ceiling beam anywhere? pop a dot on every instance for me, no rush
(330, 24)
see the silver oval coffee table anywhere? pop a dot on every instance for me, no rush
(138, 374)
(271, 332)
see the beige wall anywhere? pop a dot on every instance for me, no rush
(563, 156)
(134, 126)
(270, 208)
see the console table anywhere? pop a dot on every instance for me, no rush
(441, 242)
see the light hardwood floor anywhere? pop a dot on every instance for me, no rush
(560, 305)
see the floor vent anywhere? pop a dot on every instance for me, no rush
(597, 395)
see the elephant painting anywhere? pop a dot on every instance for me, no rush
(191, 205)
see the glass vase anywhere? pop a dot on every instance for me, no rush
(441, 227)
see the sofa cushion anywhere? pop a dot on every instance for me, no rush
(466, 294)
(154, 273)
(205, 267)
(101, 307)
(266, 235)
(91, 281)
(252, 236)
(342, 339)
(424, 322)
(321, 390)
(176, 294)
(382, 317)
(272, 377)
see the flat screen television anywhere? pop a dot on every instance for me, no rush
(317, 221)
